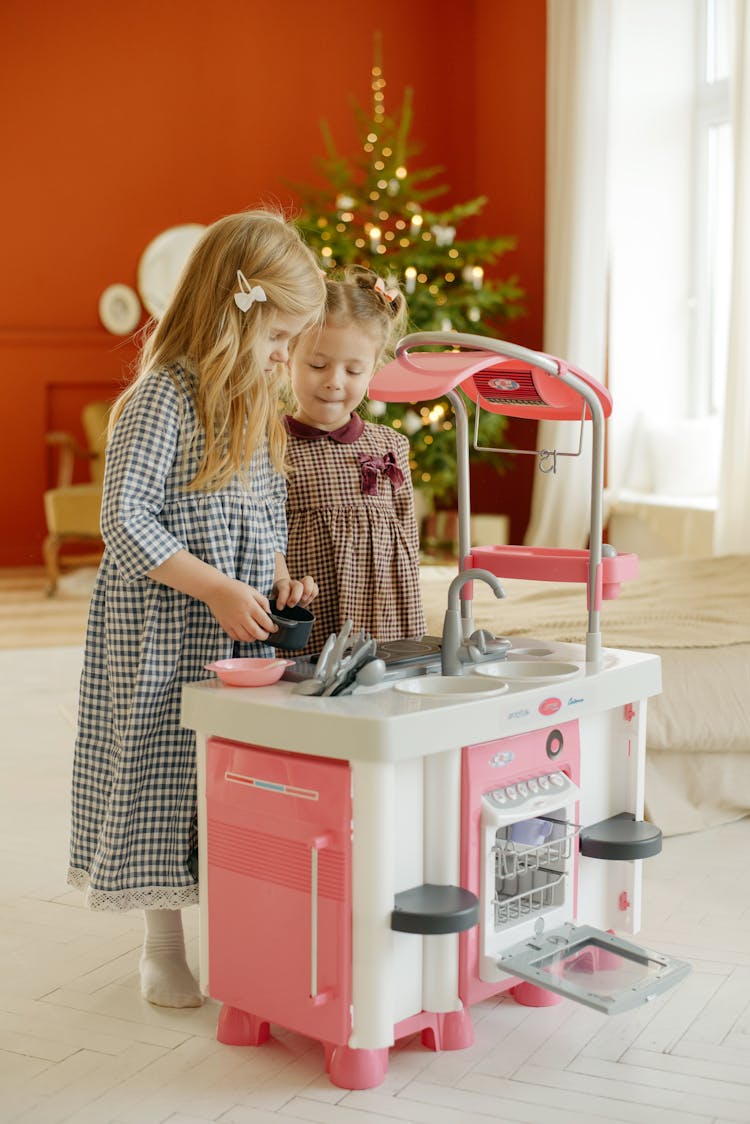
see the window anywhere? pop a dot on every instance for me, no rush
(713, 208)
(671, 236)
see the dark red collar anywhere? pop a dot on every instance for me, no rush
(346, 434)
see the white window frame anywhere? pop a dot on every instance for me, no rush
(712, 109)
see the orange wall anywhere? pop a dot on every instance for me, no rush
(510, 58)
(117, 123)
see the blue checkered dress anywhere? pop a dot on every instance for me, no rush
(134, 836)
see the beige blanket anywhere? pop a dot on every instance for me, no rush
(695, 614)
(674, 603)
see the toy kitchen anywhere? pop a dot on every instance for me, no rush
(375, 860)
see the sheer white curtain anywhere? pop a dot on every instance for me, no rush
(732, 535)
(575, 293)
(618, 234)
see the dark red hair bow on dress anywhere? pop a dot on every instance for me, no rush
(371, 466)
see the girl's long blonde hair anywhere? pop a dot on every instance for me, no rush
(236, 401)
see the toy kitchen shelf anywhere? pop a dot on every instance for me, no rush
(505, 378)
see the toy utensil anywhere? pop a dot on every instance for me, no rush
(351, 666)
(339, 647)
(341, 675)
(333, 685)
(308, 687)
(369, 675)
(324, 658)
(361, 638)
(340, 644)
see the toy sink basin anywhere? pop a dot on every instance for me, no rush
(529, 671)
(450, 686)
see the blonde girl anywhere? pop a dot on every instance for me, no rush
(350, 505)
(193, 520)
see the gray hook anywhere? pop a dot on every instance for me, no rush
(544, 456)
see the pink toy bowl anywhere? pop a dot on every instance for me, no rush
(249, 672)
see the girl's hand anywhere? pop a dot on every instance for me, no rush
(291, 592)
(241, 611)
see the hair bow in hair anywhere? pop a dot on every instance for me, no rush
(389, 294)
(371, 466)
(247, 294)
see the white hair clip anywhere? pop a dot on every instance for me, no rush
(389, 294)
(248, 294)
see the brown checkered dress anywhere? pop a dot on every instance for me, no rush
(362, 549)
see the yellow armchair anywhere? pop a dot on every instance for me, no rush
(72, 510)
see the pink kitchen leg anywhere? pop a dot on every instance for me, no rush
(357, 1069)
(430, 1036)
(240, 1028)
(529, 995)
(456, 1030)
(450, 1030)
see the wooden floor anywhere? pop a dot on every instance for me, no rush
(31, 619)
(78, 1044)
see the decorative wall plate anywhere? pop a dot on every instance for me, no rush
(162, 263)
(119, 309)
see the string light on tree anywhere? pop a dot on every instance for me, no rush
(345, 203)
(412, 423)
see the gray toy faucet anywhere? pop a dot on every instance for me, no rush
(453, 650)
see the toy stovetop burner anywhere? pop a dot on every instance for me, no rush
(504, 378)
(397, 655)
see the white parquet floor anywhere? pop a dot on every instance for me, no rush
(78, 1044)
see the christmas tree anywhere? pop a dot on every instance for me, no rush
(379, 211)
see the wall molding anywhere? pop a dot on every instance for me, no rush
(65, 337)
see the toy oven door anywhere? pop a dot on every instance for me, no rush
(592, 967)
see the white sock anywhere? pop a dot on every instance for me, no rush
(166, 979)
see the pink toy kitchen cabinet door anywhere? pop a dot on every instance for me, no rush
(279, 887)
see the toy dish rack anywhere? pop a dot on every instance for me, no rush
(504, 378)
(530, 878)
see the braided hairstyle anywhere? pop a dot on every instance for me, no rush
(377, 305)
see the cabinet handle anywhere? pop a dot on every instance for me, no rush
(316, 845)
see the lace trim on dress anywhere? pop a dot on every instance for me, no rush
(148, 897)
